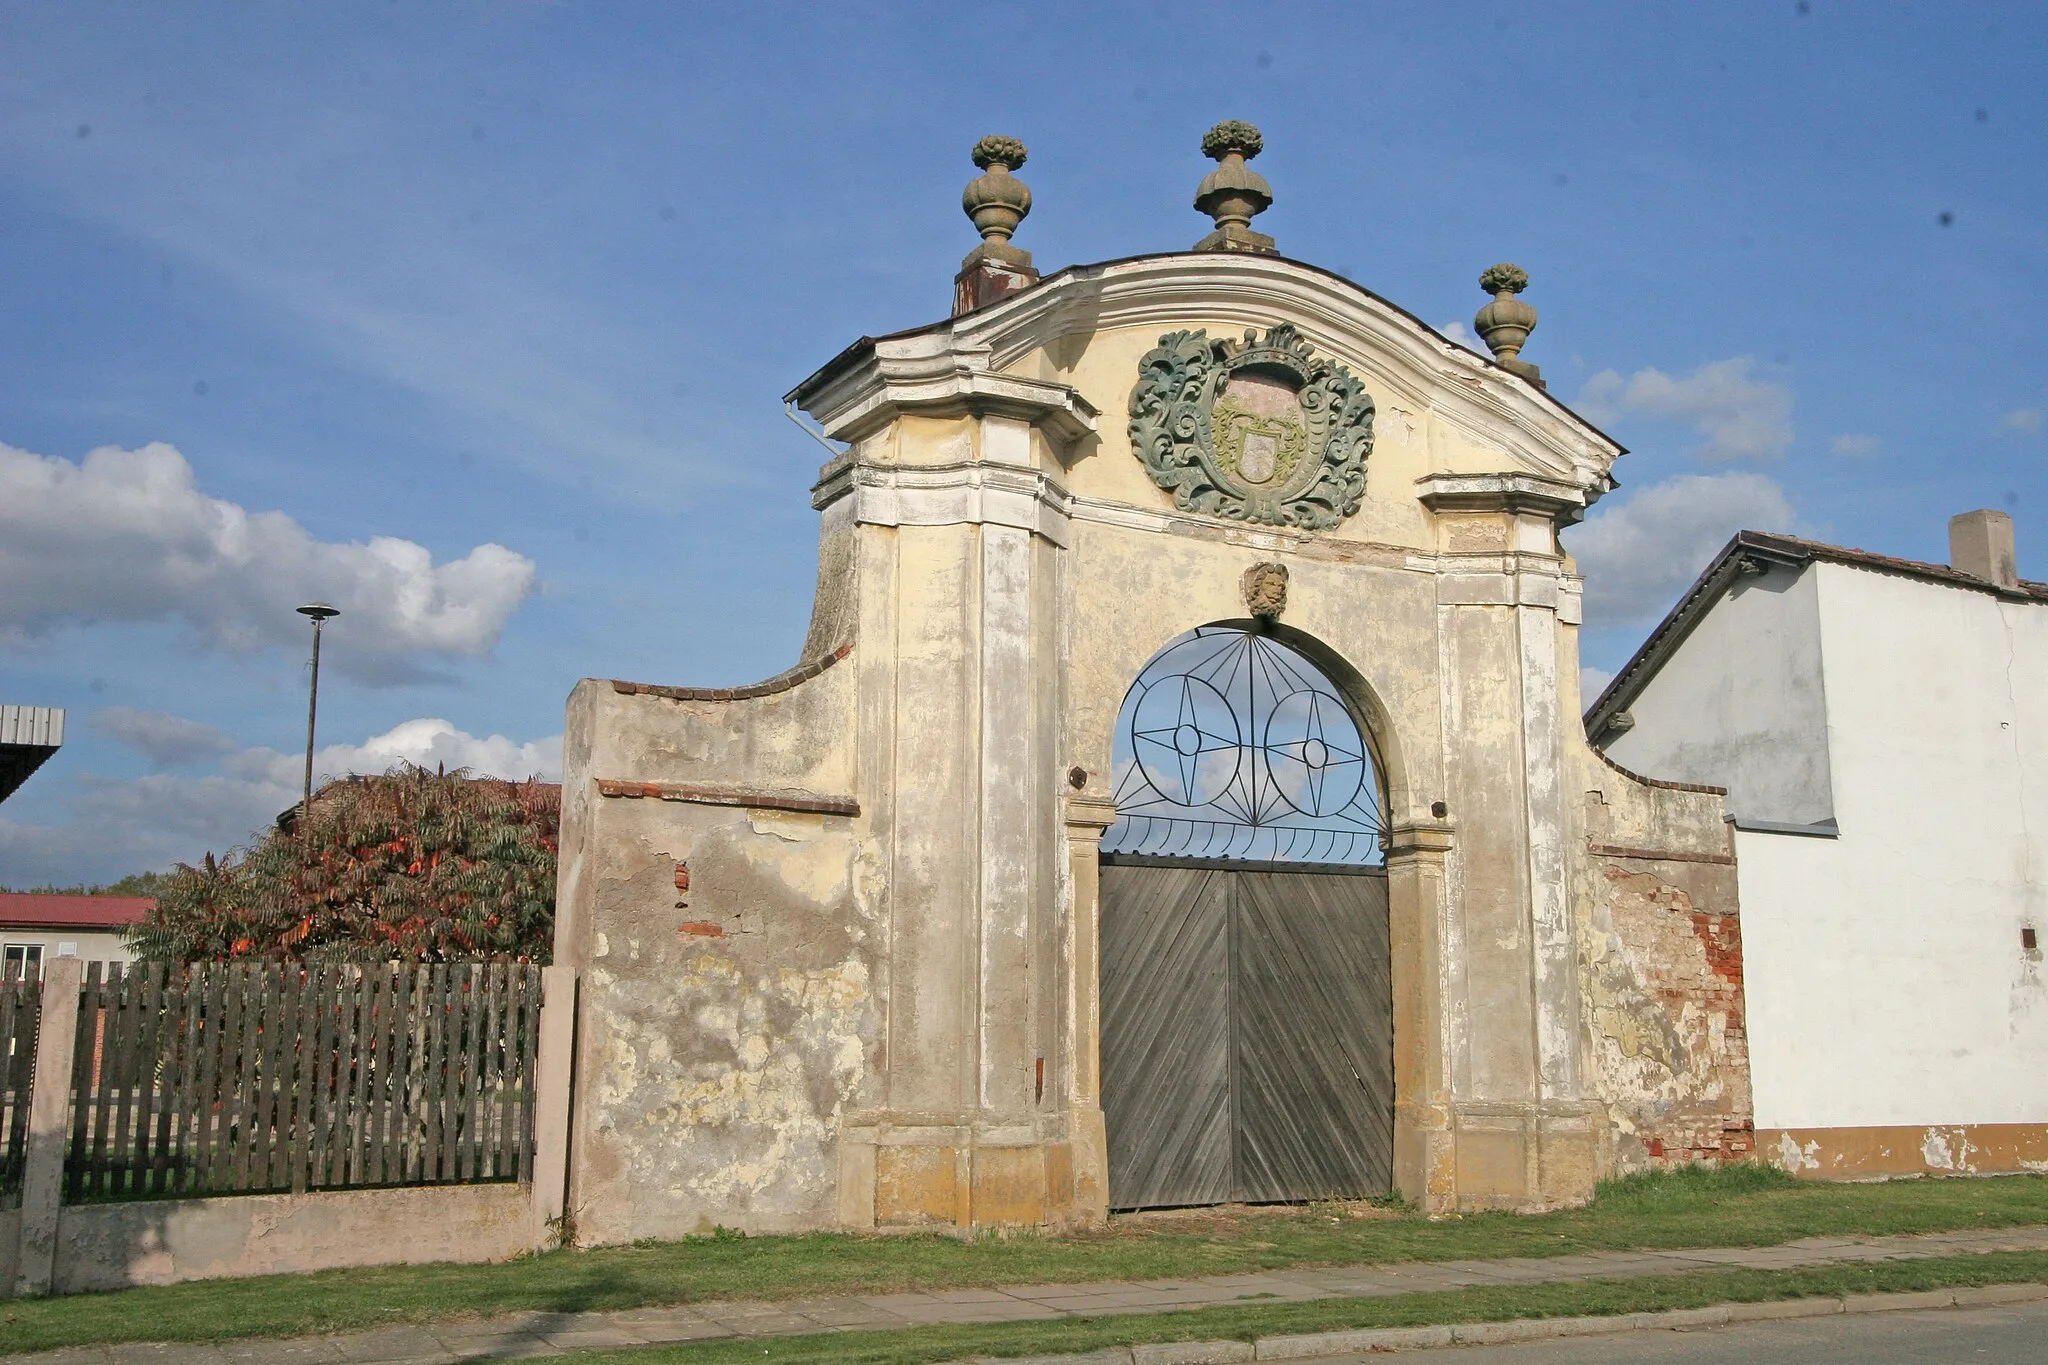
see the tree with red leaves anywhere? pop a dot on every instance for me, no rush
(410, 864)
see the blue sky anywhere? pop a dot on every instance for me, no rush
(478, 316)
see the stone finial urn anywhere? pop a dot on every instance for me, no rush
(1505, 323)
(997, 201)
(1233, 192)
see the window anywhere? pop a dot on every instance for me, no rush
(1232, 744)
(24, 962)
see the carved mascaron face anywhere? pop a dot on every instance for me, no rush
(1261, 430)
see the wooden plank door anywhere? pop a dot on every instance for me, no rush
(1247, 1034)
(1314, 1065)
(1165, 1035)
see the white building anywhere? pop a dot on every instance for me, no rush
(1881, 728)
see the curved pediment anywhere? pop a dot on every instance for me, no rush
(1073, 347)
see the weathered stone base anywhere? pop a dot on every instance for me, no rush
(1477, 1156)
(1527, 1157)
(968, 1176)
(1874, 1153)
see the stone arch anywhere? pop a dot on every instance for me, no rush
(1247, 968)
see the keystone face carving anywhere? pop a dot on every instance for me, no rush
(1261, 430)
(1265, 590)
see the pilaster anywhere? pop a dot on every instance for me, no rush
(1520, 1127)
(963, 517)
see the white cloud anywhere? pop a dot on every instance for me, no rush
(1741, 416)
(429, 742)
(1639, 552)
(1854, 443)
(1460, 333)
(128, 535)
(2023, 419)
(163, 738)
(1592, 682)
(122, 825)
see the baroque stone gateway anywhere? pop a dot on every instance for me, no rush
(1171, 810)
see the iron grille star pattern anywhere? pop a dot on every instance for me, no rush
(1233, 745)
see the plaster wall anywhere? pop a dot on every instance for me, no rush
(1888, 981)
(1741, 703)
(728, 957)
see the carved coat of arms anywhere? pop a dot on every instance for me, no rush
(1261, 430)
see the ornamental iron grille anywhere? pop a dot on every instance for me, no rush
(1233, 745)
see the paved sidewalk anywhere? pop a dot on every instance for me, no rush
(524, 1335)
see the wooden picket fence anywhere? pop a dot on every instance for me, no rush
(20, 1008)
(224, 1077)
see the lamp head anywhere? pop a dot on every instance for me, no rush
(319, 611)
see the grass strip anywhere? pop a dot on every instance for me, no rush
(1698, 1207)
(1492, 1303)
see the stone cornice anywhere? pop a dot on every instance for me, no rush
(931, 374)
(1559, 500)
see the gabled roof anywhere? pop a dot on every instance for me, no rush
(1765, 549)
(40, 910)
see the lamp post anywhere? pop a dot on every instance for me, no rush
(320, 613)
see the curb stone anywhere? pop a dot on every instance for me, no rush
(1988, 1294)
(1887, 1303)
(1310, 1346)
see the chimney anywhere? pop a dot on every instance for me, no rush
(1980, 545)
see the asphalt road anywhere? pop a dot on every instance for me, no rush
(2017, 1335)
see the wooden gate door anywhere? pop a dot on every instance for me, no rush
(1247, 1032)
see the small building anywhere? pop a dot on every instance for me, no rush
(37, 926)
(1881, 728)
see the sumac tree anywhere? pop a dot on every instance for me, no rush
(409, 864)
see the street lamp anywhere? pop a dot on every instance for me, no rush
(319, 613)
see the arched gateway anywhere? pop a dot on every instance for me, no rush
(1246, 981)
(878, 942)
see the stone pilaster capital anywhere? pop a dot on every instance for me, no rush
(1415, 839)
(1089, 815)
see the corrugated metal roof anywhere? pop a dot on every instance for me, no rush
(28, 735)
(39, 725)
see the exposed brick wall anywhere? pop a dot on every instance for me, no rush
(1664, 984)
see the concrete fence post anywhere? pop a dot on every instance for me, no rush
(42, 1183)
(554, 1097)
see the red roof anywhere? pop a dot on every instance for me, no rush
(35, 910)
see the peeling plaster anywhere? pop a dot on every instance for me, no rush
(1661, 978)
(1793, 1157)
